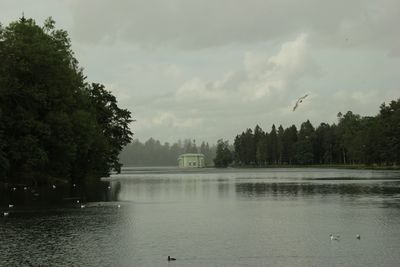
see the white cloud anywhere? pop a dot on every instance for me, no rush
(191, 24)
(169, 119)
(118, 91)
(261, 87)
(261, 76)
(209, 69)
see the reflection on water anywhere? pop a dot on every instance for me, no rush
(278, 184)
(272, 217)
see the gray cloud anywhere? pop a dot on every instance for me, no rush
(200, 24)
(209, 69)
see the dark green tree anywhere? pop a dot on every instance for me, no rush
(348, 128)
(39, 84)
(324, 144)
(289, 141)
(55, 127)
(239, 147)
(280, 141)
(354, 140)
(389, 117)
(258, 145)
(249, 147)
(272, 146)
(223, 155)
(304, 147)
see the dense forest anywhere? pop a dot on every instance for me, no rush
(55, 128)
(353, 140)
(153, 153)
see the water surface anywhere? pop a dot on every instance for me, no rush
(257, 217)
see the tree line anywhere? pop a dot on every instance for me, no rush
(352, 140)
(153, 153)
(55, 128)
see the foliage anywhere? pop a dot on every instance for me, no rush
(54, 126)
(353, 140)
(223, 155)
(153, 153)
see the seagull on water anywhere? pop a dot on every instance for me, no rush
(334, 237)
(171, 259)
(5, 213)
(10, 206)
(358, 236)
(82, 206)
(300, 100)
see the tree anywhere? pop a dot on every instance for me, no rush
(258, 137)
(239, 147)
(206, 151)
(55, 127)
(304, 149)
(249, 147)
(273, 146)
(289, 141)
(348, 127)
(355, 139)
(389, 117)
(280, 144)
(261, 149)
(113, 131)
(224, 155)
(324, 144)
(190, 146)
(39, 83)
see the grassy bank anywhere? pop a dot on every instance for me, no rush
(325, 166)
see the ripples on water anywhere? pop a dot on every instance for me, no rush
(270, 217)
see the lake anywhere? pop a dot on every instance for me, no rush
(207, 217)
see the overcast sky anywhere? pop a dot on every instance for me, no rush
(209, 69)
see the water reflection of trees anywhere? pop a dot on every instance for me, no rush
(184, 189)
(310, 189)
(169, 188)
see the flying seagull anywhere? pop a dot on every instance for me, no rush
(299, 101)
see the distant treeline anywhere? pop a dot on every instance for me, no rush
(353, 140)
(153, 153)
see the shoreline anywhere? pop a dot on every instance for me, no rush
(322, 166)
(272, 166)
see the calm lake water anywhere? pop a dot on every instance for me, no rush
(257, 217)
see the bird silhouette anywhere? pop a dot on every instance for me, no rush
(300, 100)
(171, 259)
